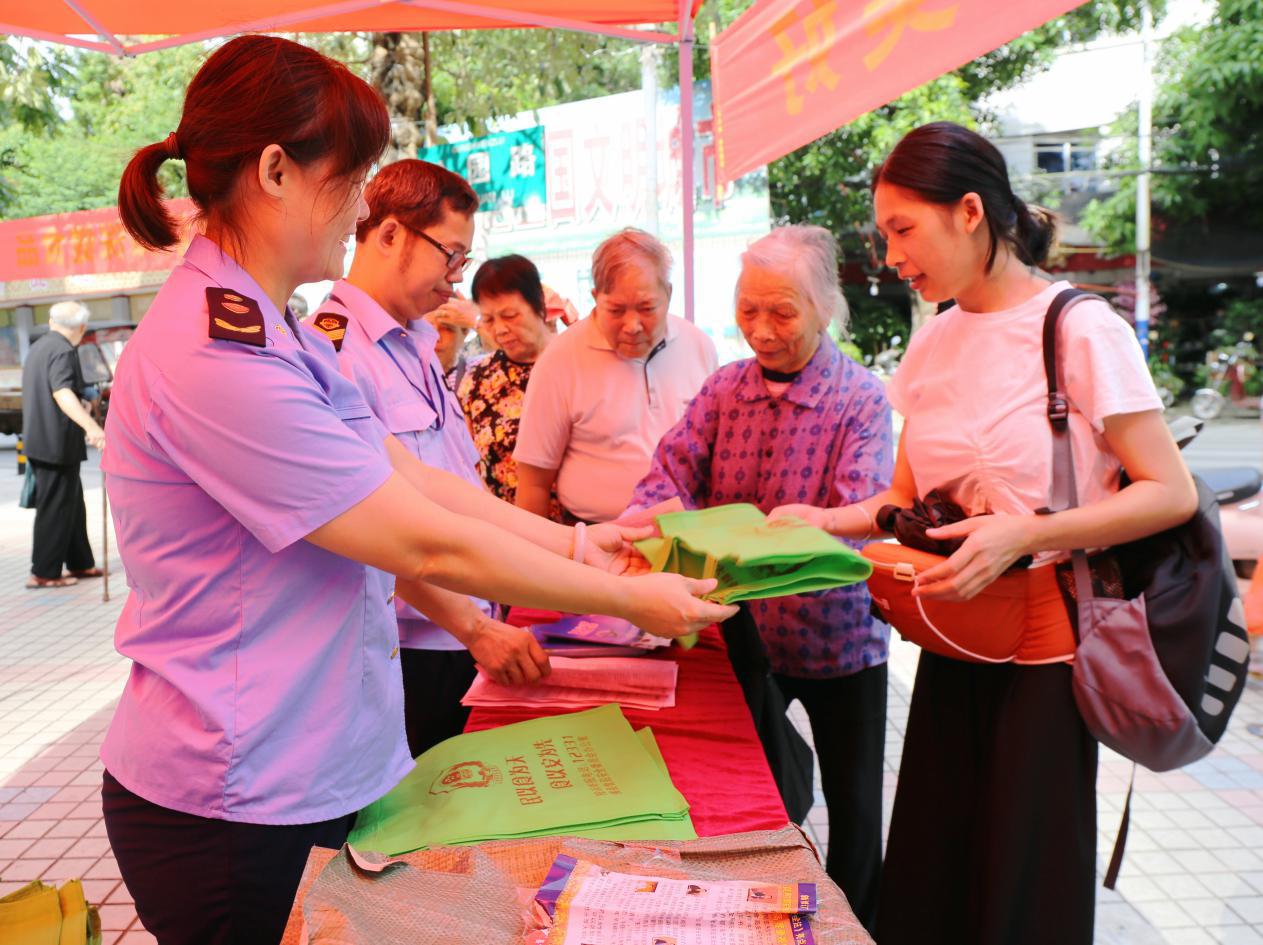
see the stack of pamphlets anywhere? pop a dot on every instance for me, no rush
(586, 774)
(595, 635)
(584, 683)
(591, 905)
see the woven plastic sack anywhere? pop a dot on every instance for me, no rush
(482, 895)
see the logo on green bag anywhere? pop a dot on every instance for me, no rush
(466, 774)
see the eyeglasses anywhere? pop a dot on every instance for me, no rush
(457, 259)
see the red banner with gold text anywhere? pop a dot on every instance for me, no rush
(790, 71)
(81, 243)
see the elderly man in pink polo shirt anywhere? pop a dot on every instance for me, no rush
(606, 390)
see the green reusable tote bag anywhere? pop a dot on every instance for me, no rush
(751, 558)
(582, 774)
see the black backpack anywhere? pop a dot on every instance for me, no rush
(1158, 672)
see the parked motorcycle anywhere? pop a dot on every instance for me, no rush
(1226, 382)
(1165, 380)
(1240, 514)
(1239, 490)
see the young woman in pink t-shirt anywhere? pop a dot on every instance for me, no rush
(993, 834)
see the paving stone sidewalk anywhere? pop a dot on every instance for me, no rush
(1193, 874)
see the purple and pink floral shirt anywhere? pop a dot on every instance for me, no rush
(825, 441)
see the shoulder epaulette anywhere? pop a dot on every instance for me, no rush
(333, 325)
(235, 317)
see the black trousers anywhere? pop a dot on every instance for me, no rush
(789, 757)
(433, 683)
(993, 835)
(848, 727)
(61, 521)
(198, 881)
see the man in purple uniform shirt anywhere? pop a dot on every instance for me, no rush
(410, 252)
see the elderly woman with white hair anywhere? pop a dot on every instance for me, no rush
(54, 423)
(801, 422)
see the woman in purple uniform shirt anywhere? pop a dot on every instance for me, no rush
(262, 511)
(796, 423)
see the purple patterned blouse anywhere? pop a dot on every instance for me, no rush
(825, 441)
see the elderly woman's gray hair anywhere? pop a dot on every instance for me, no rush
(69, 315)
(807, 256)
(623, 247)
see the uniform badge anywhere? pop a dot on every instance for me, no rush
(333, 325)
(235, 317)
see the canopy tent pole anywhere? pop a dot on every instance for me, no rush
(686, 149)
(11, 30)
(96, 27)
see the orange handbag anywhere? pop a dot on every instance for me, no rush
(1019, 618)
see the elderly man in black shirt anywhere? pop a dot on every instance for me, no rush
(54, 423)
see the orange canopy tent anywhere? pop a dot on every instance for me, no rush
(104, 24)
(785, 73)
(107, 25)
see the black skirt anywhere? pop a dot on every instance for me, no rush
(993, 834)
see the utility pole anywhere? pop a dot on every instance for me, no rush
(1145, 148)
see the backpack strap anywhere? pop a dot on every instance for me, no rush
(1120, 842)
(1065, 495)
(1065, 492)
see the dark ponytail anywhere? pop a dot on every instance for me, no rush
(1035, 233)
(942, 161)
(140, 203)
(252, 92)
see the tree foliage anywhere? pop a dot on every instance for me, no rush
(1208, 131)
(826, 182)
(31, 75)
(479, 75)
(69, 120)
(107, 108)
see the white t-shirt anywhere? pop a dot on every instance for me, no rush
(972, 391)
(596, 417)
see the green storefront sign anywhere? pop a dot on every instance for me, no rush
(505, 169)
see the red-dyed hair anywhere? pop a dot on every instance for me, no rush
(417, 194)
(253, 92)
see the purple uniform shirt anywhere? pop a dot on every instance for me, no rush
(265, 683)
(400, 377)
(825, 441)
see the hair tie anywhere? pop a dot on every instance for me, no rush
(1015, 210)
(172, 145)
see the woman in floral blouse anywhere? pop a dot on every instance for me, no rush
(797, 421)
(512, 310)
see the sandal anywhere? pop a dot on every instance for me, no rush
(88, 573)
(34, 583)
